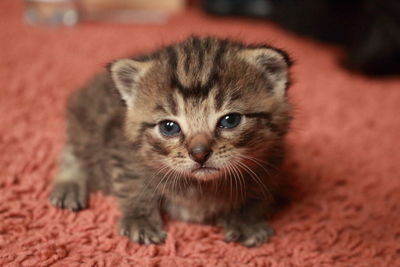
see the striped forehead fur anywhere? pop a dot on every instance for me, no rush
(195, 64)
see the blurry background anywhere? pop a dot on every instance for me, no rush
(343, 150)
(369, 30)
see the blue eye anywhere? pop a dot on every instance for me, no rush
(229, 121)
(169, 128)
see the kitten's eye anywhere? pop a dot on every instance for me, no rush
(169, 128)
(230, 121)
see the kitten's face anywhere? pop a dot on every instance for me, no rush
(206, 118)
(205, 142)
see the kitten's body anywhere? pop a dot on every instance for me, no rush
(118, 147)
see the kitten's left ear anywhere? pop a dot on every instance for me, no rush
(274, 62)
(126, 74)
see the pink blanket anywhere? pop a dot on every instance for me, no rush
(343, 155)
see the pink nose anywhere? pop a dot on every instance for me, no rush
(200, 153)
(199, 148)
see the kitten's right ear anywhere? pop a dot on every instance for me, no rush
(126, 74)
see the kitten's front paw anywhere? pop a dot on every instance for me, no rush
(142, 231)
(69, 195)
(249, 234)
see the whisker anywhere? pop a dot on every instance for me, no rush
(224, 169)
(150, 180)
(256, 178)
(158, 184)
(241, 180)
(233, 177)
(172, 179)
(231, 181)
(186, 178)
(161, 180)
(164, 180)
(238, 182)
(256, 162)
(179, 181)
(259, 162)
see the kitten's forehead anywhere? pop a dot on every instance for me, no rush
(197, 81)
(195, 66)
(196, 114)
(195, 71)
(196, 62)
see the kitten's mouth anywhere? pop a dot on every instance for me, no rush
(205, 170)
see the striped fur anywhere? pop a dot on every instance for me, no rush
(193, 83)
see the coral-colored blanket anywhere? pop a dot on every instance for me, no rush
(344, 154)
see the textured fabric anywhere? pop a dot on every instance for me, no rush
(343, 154)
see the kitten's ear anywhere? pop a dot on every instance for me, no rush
(274, 62)
(126, 74)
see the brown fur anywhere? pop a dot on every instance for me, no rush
(117, 146)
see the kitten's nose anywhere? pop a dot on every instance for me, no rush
(199, 148)
(200, 153)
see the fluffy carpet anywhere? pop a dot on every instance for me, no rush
(343, 154)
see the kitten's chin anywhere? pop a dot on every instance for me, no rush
(206, 173)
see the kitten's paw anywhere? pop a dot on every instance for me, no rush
(249, 234)
(142, 231)
(69, 195)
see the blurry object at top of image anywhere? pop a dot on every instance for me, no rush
(51, 12)
(70, 12)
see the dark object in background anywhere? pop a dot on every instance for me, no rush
(369, 29)
(252, 8)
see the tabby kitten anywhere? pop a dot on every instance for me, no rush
(198, 136)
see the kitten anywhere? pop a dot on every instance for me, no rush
(198, 135)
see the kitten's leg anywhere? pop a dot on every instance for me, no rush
(247, 225)
(141, 220)
(70, 186)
